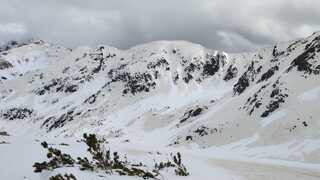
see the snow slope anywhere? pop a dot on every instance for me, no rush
(259, 107)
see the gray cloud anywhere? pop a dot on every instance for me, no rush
(227, 25)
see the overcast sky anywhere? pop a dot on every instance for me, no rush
(230, 25)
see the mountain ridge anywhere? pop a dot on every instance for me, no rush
(182, 93)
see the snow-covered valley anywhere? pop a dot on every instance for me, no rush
(232, 116)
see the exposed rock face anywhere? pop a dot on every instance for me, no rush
(307, 61)
(5, 64)
(16, 113)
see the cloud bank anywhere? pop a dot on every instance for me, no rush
(228, 25)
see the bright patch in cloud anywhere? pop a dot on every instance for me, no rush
(12, 28)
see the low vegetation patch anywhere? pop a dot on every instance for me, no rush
(63, 177)
(102, 159)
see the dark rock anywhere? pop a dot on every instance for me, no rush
(159, 63)
(188, 138)
(305, 124)
(5, 64)
(17, 113)
(231, 73)
(267, 75)
(191, 113)
(244, 81)
(302, 62)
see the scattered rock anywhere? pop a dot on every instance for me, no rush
(17, 113)
(4, 133)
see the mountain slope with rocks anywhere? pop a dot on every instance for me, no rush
(169, 95)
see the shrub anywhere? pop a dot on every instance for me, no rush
(65, 177)
(107, 161)
(56, 159)
(180, 170)
(103, 160)
(4, 133)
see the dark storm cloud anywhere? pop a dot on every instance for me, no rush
(218, 24)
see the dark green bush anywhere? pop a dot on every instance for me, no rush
(56, 159)
(104, 160)
(180, 170)
(65, 177)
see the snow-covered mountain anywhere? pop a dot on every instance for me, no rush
(169, 94)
